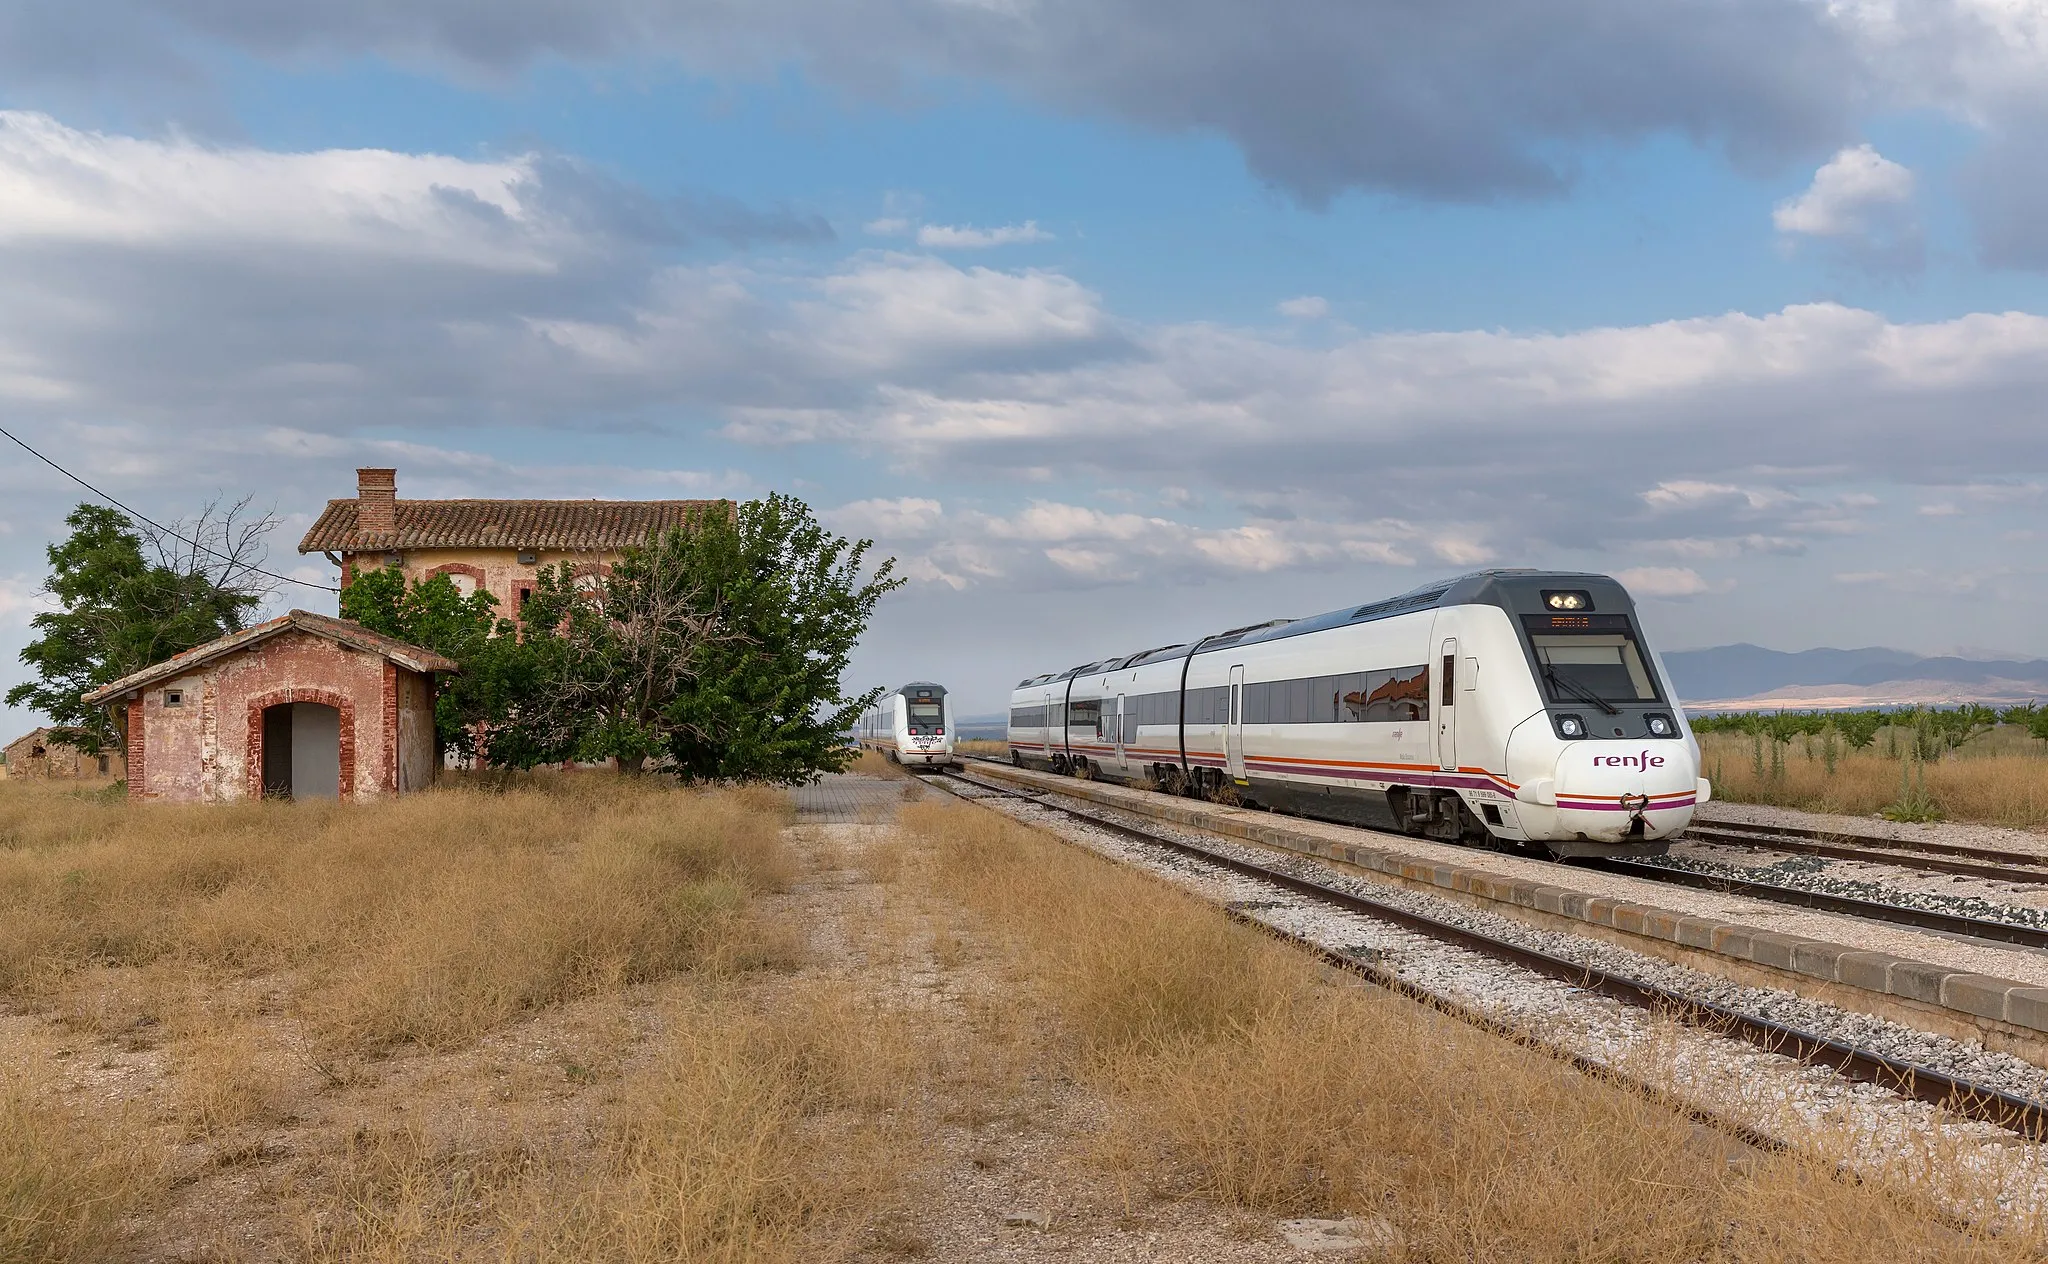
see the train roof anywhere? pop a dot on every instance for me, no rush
(926, 687)
(1513, 590)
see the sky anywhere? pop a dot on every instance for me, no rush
(1113, 322)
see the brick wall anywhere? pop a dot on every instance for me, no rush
(211, 748)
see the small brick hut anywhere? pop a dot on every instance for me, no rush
(37, 755)
(303, 706)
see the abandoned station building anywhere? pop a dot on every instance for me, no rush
(303, 706)
(37, 754)
(499, 546)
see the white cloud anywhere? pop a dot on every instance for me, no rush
(901, 518)
(1752, 433)
(965, 237)
(1844, 193)
(20, 599)
(1664, 581)
(1721, 547)
(887, 226)
(1051, 543)
(1862, 203)
(60, 186)
(1939, 511)
(1307, 307)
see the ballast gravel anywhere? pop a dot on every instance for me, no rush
(1956, 833)
(1898, 886)
(1765, 1090)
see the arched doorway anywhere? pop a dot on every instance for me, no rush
(302, 751)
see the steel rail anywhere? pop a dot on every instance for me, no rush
(1962, 1097)
(1875, 910)
(1984, 862)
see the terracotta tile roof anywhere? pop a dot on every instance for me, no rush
(501, 524)
(354, 635)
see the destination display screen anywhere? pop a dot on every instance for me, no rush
(1605, 623)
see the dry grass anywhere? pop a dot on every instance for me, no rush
(1234, 1071)
(427, 919)
(385, 995)
(2004, 788)
(760, 1134)
(988, 748)
(248, 957)
(875, 764)
(67, 1178)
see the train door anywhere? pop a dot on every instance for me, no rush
(1446, 713)
(1233, 727)
(1046, 720)
(1122, 760)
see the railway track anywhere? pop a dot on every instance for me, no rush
(1873, 910)
(1986, 929)
(1959, 1096)
(1975, 862)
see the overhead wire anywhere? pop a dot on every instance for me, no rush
(303, 583)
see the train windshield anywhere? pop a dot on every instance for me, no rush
(923, 712)
(1600, 667)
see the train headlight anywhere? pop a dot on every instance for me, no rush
(1661, 726)
(1571, 600)
(1570, 726)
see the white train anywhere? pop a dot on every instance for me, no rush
(1512, 704)
(911, 725)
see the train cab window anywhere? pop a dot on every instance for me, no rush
(1578, 668)
(924, 714)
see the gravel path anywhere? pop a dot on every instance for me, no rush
(1765, 1090)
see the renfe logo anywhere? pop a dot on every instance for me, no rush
(1642, 760)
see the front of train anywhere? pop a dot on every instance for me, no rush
(927, 734)
(1609, 766)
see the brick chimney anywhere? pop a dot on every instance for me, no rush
(377, 502)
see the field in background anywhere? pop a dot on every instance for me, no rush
(991, 748)
(1999, 776)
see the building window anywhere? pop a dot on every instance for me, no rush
(103, 765)
(174, 697)
(525, 595)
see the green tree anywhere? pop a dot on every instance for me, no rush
(715, 652)
(434, 615)
(791, 603)
(129, 597)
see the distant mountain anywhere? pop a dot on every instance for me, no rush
(1750, 675)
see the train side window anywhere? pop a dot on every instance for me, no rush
(1450, 677)
(1323, 703)
(1297, 700)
